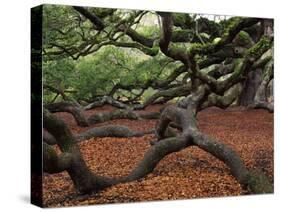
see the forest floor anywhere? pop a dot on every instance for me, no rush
(190, 173)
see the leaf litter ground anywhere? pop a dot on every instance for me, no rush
(190, 173)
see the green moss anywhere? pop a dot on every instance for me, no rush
(178, 18)
(103, 12)
(182, 35)
(231, 25)
(209, 47)
(259, 48)
(243, 39)
(212, 27)
(183, 20)
(202, 48)
(243, 35)
(151, 51)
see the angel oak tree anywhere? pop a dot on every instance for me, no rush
(209, 65)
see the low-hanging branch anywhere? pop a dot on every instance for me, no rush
(117, 131)
(120, 114)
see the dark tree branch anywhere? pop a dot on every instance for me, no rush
(96, 21)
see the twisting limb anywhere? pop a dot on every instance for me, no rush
(120, 114)
(255, 181)
(69, 108)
